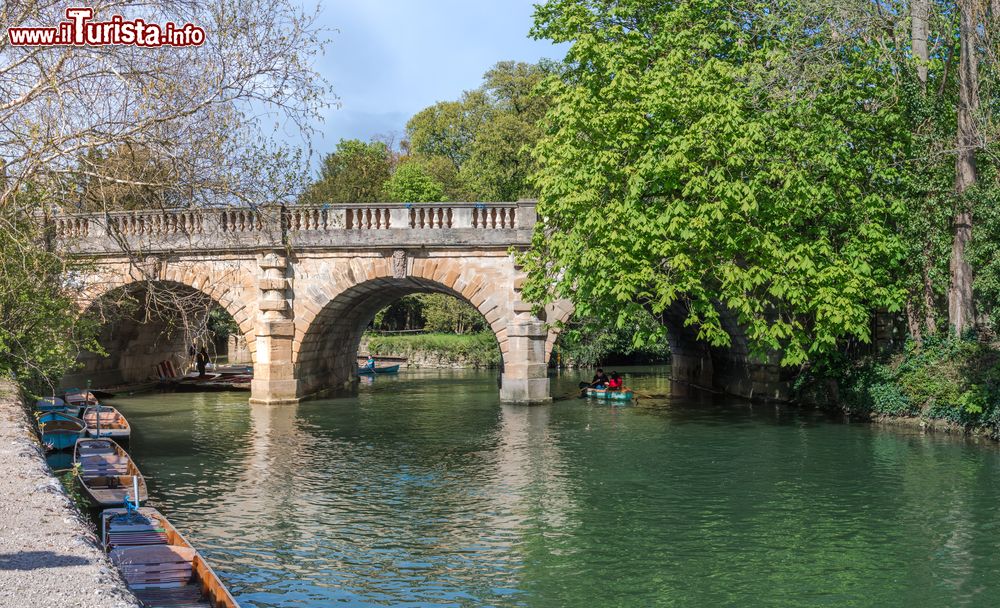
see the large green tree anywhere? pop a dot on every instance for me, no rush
(486, 136)
(448, 128)
(500, 162)
(354, 173)
(720, 154)
(413, 183)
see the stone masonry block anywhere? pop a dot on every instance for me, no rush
(272, 283)
(472, 286)
(284, 328)
(533, 329)
(519, 306)
(272, 260)
(493, 317)
(525, 370)
(272, 305)
(429, 268)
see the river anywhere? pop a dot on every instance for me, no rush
(423, 489)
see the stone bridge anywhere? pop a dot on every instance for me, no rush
(303, 283)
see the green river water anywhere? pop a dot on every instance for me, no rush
(423, 490)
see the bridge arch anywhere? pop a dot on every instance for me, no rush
(135, 345)
(336, 314)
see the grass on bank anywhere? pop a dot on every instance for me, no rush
(475, 350)
(949, 379)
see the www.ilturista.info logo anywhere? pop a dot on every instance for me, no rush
(80, 30)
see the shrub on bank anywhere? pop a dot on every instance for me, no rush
(952, 379)
(474, 350)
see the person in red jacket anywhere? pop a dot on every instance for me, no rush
(615, 383)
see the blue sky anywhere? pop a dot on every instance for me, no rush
(392, 58)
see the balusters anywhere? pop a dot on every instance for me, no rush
(72, 228)
(237, 220)
(493, 218)
(164, 224)
(431, 217)
(368, 218)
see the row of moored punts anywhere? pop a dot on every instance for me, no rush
(159, 565)
(78, 414)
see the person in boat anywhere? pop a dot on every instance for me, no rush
(370, 363)
(202, 362)
(600, 379)
(616, 382)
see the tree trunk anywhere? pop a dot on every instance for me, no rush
(930, 322)
(912, 321)
(919, 12)
(919, 16)
(960, 309)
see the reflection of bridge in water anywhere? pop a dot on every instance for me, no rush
(303, 283)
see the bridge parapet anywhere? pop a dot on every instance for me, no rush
(298, 226)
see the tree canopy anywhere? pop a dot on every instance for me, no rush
(487, 135)
(412, 183)
(354, 173)
(737, 155)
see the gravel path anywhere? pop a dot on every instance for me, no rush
(49, 557)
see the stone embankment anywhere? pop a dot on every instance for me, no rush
(49, 556)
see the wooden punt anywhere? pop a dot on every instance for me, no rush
(600, 393)
(54, 404)
(106, 472)
(60, 431)
(159, 565)
(79, 399)
(112, 423)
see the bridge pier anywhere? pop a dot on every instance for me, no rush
(274, 379)
(525, 374)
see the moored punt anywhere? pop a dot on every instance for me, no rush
(211, 382)
(106, 421)
(159, 565)
(385, 369)
(106, 472)
(79, 399)
(54, 404)
(599, 393)
(60, 431)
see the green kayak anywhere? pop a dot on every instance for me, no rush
(600, 393)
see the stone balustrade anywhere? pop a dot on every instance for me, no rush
(297, 226)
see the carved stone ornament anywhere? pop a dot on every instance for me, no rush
(399, 264)
(151, 268)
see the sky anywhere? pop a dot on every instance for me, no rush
(389, 59)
